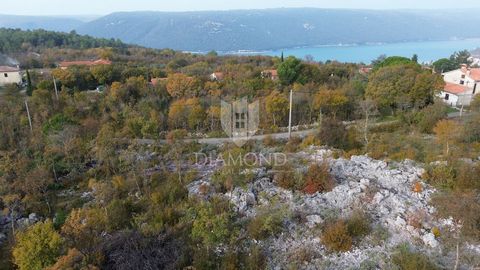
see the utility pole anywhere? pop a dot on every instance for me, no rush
(29, 117)
(290, 116)
(56, 90)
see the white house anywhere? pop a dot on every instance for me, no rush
(9, 75)
(217, 76)
(461, 86)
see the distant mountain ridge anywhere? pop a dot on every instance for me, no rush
(280, 28)
(51, 23)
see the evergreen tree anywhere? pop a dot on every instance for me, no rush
(29, 84)
(415, 58)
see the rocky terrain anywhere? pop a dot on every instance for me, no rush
(391, 194)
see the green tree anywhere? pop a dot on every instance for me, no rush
(393, 61)
(423, 91)
(402, 86)
(415, 58)
(461, 57)
(212, 224)
(289, 70)
(105, 74)
(37, 247)
(29, 84)
(444, 65)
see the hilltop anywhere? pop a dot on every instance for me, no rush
(279, 28)
(262, 29)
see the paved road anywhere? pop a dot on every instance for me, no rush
(283, 135)
(217, 141)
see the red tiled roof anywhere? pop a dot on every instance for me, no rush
(218, 75)
(475, 74)
(454, 88)
(85, 63)
(8, 69)
(272, 72)
(365, 70)
(155, 81)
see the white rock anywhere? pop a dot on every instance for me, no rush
(313, 220)
(400, 222)
(33, 217)
(429, 239)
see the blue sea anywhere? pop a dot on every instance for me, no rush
(427, 51)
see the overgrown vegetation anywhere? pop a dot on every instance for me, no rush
(90, 161)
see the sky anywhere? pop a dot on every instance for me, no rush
(103, 7)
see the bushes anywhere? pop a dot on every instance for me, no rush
(406, 259)
(333, 133)
(263, 226)
(256, 259)
(358, 224)
(318, 179)
(336, 237)
(212, 223)
(440, 176)
(456, 175)
(463, 207)
(293, 144)
(426, 118)
(175, 135)
(340, 235)
(472, 128)
(285, 177)
(310, 140)
(268, 222)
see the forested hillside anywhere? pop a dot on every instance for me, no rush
(16, 40)
(281, 28)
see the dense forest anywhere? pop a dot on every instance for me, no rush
(103, 199)
(16, 40)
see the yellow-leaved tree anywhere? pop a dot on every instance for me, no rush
(447, 132)
(37, 247)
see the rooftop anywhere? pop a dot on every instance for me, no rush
(8, 69)
(85, 63)
(454, 88)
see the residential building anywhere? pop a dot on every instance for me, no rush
(461, 86)
(217, 76)
(365, 70)
(9, 75)
(271, 74)
(156, 81)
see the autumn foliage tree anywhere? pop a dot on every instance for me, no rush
(83, 229)
(277, 107)
(402, 86)
(330, 101)
(180, 85)
(37, 247)
(447, 132)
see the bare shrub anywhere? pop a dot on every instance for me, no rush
(336, 237)
(318, 179)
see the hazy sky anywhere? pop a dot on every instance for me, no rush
(101, 7)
